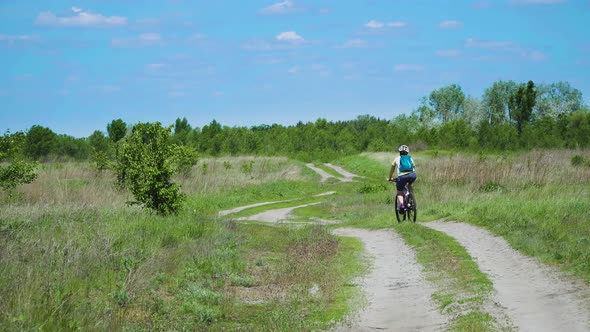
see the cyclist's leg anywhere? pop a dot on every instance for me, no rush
(400, 198)
(401, 183)
(411, 179)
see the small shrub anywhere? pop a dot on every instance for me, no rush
(100, 161)
(242, 281)
(578, 160)
(489, 187)
(185, 158)
(146, 165)
(247, 167)
(372, 188)
(227, 165)
(204, 168)
(16, 173)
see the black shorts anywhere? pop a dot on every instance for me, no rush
(402, 180)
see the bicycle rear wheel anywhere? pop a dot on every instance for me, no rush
(412, 208)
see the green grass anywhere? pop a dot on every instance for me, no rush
(462, 289)
(533, 200)
(329, 171)
(86, 263)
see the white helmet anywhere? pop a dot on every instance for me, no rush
(404, 148)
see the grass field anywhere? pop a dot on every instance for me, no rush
(74, 256)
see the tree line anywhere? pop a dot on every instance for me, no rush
(508, 116)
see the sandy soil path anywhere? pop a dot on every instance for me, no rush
(241, 208)
(346, 175)
(277, 215)
(536, 298)
(399, 298)
(324, 175)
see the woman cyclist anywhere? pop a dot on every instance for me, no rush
(405, 173)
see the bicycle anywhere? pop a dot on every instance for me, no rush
(410, 210)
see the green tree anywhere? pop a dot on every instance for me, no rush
(146, 163)
(40, 142)
(472, 111)
(182, 130)
(447, 102)
(557, 98)
(212, 138)
(522, 103)
(425, 114)
(579, 127)
(117, 129)
(71, 147)
(496, 101)
(101, 150)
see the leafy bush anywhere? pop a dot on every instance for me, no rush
(578, 160)
(489, 187)
(146, 164)
(372, 188)
(247, 167)
(185, 158)
(17, 171)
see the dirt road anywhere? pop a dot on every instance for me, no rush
(398, 297)
(535, 297)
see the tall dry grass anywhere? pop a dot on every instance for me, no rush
(213, 175)
(538, 167)
(78, 186)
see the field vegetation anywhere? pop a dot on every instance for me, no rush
(74, 256)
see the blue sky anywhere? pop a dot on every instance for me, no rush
(76, 65)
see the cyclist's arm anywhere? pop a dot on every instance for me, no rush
(391, 170)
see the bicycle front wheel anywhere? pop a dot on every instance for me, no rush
(412, 210)
(399, 215)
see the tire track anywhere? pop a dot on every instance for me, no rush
(398, 296)
(535, 297)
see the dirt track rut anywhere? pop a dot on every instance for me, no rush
(535, 297)
(398, 297)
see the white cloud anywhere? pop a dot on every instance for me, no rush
(150, 37)
(506, 48)
(408, 67)
(451, 24)
(14, 38)
(396, 24)
(290, 36)
(144, 39)
(80, 19)
(535, 55)
(315, 68)
(489, 44)
(536, 2)
(379, 25)
(280, 8)
(374, 25)
(448, 53)
(257, 45)
(355, 43)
